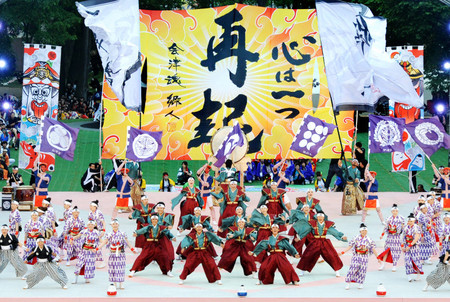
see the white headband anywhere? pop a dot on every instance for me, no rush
(5, 227)
(305, 205)
(91, 222)
(310, 190)
(394, 208)
(76, 210)
(15, 202)
(446, 215)
(274, 183)
(363, 229)
(114, 221)
(197, 208)
(320, 214)
(39, 211)
(154, 217)
(275, 225)
(33, 213)
(233, 182)
(46, 201)
(422, 206)
(240, 208)
(263, 206)
(67, 202)
(94, 204)
(411, 218)
(199, 224)
(160, 205)
(40, 239)
(241, 219)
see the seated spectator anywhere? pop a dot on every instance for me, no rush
(90, 181)
(15, 179)
(142, 183)
(5, 154)
(249, 174)
(5, 147)
(4, 137)
(166, 184)
(298, 178)
(183, 173)
(266, 181)
(13, 124)
(266, 169)
(3, 168)
(307, 172)
(319, 184)
(420, 188)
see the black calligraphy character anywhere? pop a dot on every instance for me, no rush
(226, 48)
(109, 73)
(288, 76)
(171, 114)
(174, 49)
(239, 104)
(362, 36)
(294, 112)
(99, 43)
(304, 58)
(175, 63)
(280, 94)
(173, 79)
(209, 108)
(173, 100)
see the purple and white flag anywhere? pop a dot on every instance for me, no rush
(232, 140)
(143, 145)
(429, 134)
(386, 134)
(58, 138)
(311, 135)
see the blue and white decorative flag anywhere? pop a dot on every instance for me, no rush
(232, 140)
(143, 145)
(311, 135)
(358, 69)
(386, 134)
(115, 24)
(58, 138)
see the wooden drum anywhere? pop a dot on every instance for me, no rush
(8, 190)
(25, 195)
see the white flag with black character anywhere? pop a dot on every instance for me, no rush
(359, 71)
(115, 24)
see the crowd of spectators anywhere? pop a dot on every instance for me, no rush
(73, 107)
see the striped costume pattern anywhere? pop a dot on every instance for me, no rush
(88, 254)
(437, 221)
(12, 256)
(412, 257)
(51, 240)
(439, 275)
(393, 230)
(427, 247)
(33, 229)
(14, 218)
(116, 262)
(362, 248)
(44, 269)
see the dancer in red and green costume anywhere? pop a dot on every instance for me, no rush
(276, 246)
(192, 200)
(320, 246)
(273, 198)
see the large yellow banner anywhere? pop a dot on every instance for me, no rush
(206, 68)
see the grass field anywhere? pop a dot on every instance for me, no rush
(67, 175)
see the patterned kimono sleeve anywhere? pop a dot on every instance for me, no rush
(124, 239)
(372, 246)
(352, 243)
(338, 235)
(167, 233)
(27, 228)
(187, 242)
(262, 246)
(284, 244)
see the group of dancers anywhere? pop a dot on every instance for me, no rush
(263, 240)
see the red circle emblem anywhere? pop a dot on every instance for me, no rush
(52, 55)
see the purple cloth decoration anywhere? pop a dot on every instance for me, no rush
(58, 138)
(429, 134)
(234, 138)
(386, 134)
(311, 136)
(143, 145)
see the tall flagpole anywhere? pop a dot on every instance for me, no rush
(100, 142)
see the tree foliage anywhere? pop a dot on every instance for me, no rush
(41, 22)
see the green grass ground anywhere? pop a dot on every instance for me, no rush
(67, 175)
